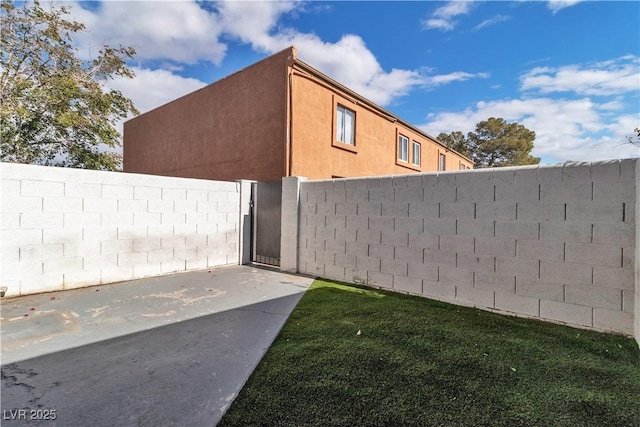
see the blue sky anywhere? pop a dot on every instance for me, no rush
(568, 70)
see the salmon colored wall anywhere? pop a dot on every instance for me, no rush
(316, 154)
(229, 130)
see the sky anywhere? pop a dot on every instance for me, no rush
(568, 70)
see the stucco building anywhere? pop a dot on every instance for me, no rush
(279, 117)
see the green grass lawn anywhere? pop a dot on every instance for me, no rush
(352, 356)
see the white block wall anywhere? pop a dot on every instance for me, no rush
(555, 243)
(67, 228)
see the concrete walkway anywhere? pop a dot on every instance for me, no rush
(170, 350)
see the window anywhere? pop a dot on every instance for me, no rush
(416, 153)
(345, 129)
(403, 148)
(442, 165)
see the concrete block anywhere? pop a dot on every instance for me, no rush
(173, 218)
(395, 209)
(21, 269)
(117, 191)
(628, 301)
(326, 208)
(459, 210)
(186, 206)
(146, 270)
(475, 187)
(381, 251)
(81, 249)
(316, 220)
(100, 262)
(116, 246)
(9, 221)
(346, 208)
(453, 243)
(423, 271)
(439, 291)
(408, 225)
(540, 249)
(317, 244)
(441, 226)
(41, 252)
(316, 196)
(335, 196)
(173, 266)
(82, 219)
(381, 224)
(21, 205)
(100, 205)
(99, 233)
(325, 257)
(173, 242)
(475, 297)
(395, 267)
(540, 211)
(144, 218)
(208, 251)
(537, 288)
(594, 212)
(594, 296)
(195, 263)
(147, 193)
(383, 194)
(129, 259)
(357, 195)
(566, 272)
(357, 248)
(613, 277)
(60, 204)
(370, 209)
(621, 234)
(368, 236)
(160, 255)
(339, 247)
(81, 189)
(395, 238)
(429, 209)
(174, 194)
(519, 185)
(518, 230)
(162, 206)
(504, 211)
(424, 241)
(41, 283)
(194, 240)
(346, 260)
(227, 207)
(218, 259)
(133, 206)
(568, 313)
(132, 232)
(455, 276)
(607, 170)
(117, 219)
(475, 228)
(216, 239)
(495, 282)
(584, 253)
(410, 194)
(565, 232)
(195, 195)
(357, 222)
(41, 188)
(434, 256)
(62, 235)
(382, 280)
(41, 220)
(9, 188)
(518, 267)
(334, 272)
(407, 284)
(613, 320)
(160, 231)
(409, 254)
(313, 268)
(475, 262)
(495, 246)
(146, 244)
(614, 191)
(366, 263)
(81, 278)
(517, 304)
(20, 237)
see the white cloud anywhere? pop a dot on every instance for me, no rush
(443, 17)
(565, 129)
(556, 5)
(179, 31)
(605, 78)
(491, 21)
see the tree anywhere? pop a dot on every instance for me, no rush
(635, 140)
(56, 109)
(494, 143)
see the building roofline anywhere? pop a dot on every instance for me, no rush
(372, 105)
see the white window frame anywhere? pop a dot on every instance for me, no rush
(345, 125)
(417, 153)
(403, 148)
(442, 162)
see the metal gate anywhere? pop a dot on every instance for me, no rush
(266, 202)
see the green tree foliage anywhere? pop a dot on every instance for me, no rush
(494, 143)
(56, 109)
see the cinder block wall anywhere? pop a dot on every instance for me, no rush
(555, 243)
(67, 228)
